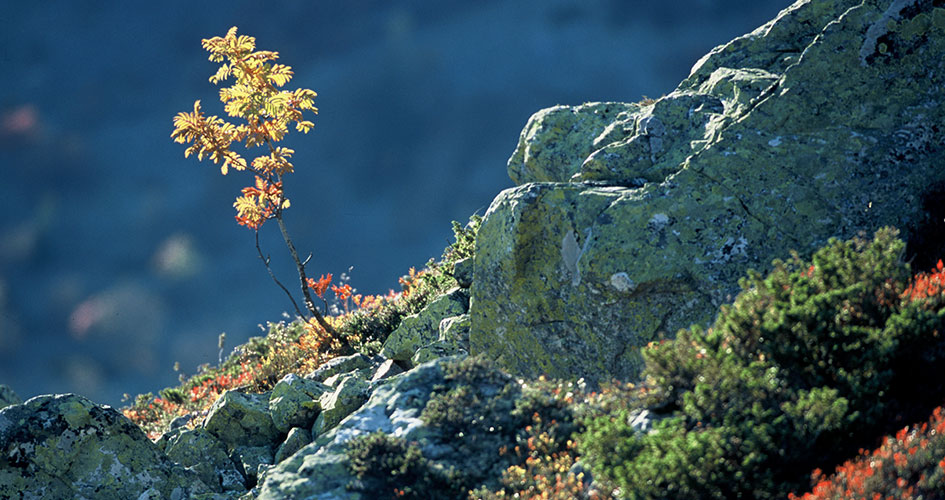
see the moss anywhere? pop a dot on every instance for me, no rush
(389, 467)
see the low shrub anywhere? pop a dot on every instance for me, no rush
(809, 364)
(389, 467)
(486, 417)
(908, 466)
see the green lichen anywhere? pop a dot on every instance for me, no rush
(795, 146)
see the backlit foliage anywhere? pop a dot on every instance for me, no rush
(267, 113)
(907, 466)
(254, 97)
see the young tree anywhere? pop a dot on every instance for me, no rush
(267, 111)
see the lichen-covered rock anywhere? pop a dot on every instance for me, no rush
(294, 402)
(294, 441)
(239, 419)
(343, 364)
(455, 330)
(822, 123)
(556, 140)
(453, 340)
(418, 330)
(65, 446)
(8, 397)
(387, 369)
(319, 470)
(347, 397)
(435, 350)
(463, 272)
(458, 412)
(200, 451)
(253, 460)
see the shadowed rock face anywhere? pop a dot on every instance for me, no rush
(634, 220)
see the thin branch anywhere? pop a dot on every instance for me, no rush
(272, 275)
(309, 303)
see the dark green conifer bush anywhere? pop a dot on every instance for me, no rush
(389, 467)
(809, 364)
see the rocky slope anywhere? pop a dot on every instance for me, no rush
(629, 220)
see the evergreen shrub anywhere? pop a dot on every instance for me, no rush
(811, 362)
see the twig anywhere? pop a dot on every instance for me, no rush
(272, 275)
(309, 303)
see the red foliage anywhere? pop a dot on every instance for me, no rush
(909, 465)
(319, 286)
(926, 285)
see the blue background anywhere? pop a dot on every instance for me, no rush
(119, 257)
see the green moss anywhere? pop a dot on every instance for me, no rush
(389, 467)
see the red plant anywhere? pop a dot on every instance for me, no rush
(909, 465)
(926, 285)
(319, 286)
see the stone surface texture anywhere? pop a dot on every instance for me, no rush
(294, 402)
(631, 221)
(65, 446)
(423, 329)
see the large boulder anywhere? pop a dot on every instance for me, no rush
(631, 221)
(65, 446)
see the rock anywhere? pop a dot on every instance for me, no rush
(342, 364)
(254, 460)
(239, 419)
(65, 446)
(387, 369)
(556, 140)
(180, 421)
(294, 442)
(635, 221)
(347, 397)
(435, 350)
(8, 397)
(444, 392)
(200, 451)
(421, 329)
(319, 470)
(453, 340)
(455, 330)
(294, 402)
(463, 272)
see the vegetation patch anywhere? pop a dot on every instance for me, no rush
(811, 363)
